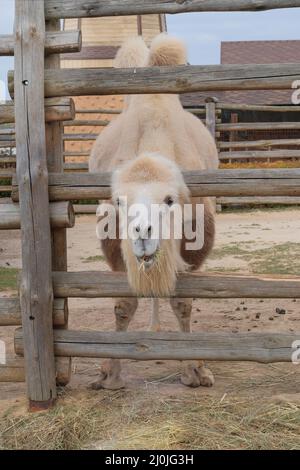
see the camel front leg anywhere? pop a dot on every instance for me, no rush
(110, 375)
(194, 373)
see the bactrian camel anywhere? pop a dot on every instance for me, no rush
(146, 148)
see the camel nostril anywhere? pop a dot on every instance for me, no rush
(149, 230)
(137, 228)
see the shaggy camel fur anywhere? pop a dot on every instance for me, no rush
(146, 148)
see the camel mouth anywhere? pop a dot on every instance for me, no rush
(146, 261)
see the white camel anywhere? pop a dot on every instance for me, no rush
(146, 148)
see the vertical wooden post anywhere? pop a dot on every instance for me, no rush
(36, 295)
(210, 105)
(54, 147)
(233, 135)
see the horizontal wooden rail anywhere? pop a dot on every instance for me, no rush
(61, 215)
(76, 166)
(14, 370)
(56, 109)
(256, 182)
(257, 107)
(119, 111)
(267, 143)
(144, 345)
(94, 8)
(180, 79)
(87, 122)
(79, 137)
(56, 42)
(75, 153)
(198, 285)
(251, 201)
(10, 312)
(5, 189)
(98, 111)
(257, 126)
(260, 154)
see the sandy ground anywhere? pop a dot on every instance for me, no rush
(260, 229)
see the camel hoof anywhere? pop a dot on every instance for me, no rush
(108, 382)
(197, 376)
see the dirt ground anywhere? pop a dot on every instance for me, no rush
(248, 242)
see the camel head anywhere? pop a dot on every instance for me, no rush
(146, 191)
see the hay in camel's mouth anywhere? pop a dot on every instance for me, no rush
(147, 261)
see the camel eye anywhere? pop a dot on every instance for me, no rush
(118, 202)
(169, 201)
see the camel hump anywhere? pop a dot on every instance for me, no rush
(132, 53)
(167, 50)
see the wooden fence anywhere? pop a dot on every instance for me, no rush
(44, 339)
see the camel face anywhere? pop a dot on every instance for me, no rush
(146, 191)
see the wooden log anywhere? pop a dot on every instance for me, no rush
(180, 79)
(4, 189)
(145, 345)
(76, 166)
(256, 201)
(7, 172)
(98, 111)
(94, 8)
(56, 109)
(259, 154)
(74, 153)
(55, 43)
(198, 285)
(256, 182)
(36, 294)
(87, 122)
(79, 137)
(10, 312)
(14, 370)
(257, 107)
(61, 215)
(257, 126)
(85, 208)
(260, 143)
(210, 108)
(7, 131)
(63, 370)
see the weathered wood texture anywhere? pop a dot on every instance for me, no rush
(259, 154)
(61, 215)
(36, 293)
(14, 370)
(144, 345)
(257, 107)
(94, 8)
(259, 143)
(210, 116)
(181, 79)
(198, 285)
(257, 182)
(258, 126)
(79, 137)
(54, 146)
(87, 122)
(253, 201)
(55, 43)
(10, 312)
(56, 109)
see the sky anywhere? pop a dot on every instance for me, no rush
(202, 32)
